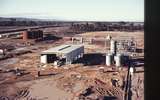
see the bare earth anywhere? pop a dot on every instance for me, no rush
(68, 82)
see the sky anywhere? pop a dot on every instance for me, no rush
(77, 10)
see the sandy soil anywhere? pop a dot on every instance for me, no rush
(69, 83)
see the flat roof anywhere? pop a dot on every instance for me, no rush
(63, 49)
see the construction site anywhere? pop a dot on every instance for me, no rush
(50, 64)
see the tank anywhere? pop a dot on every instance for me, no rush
(118, 60)
(113, 46)
(109, 59)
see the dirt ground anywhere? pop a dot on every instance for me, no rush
(138, 36)
(68, 82)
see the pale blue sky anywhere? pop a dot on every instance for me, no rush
(91, 10)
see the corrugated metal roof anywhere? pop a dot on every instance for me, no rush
(63, 49)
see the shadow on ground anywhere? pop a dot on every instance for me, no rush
(92, 59)
(139, 62)
(109, 98)
(51, 37)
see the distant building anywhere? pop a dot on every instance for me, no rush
(36, 34)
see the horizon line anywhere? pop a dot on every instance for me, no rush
(64, 19)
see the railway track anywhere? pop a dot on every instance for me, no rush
(9, 31)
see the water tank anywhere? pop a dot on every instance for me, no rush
(113, 46)
(118, 60)
(109, 59)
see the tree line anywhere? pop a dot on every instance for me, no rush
(100, 26)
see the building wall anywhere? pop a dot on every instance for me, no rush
(35, 34)
(43, 59)
(48, 58)
(72, 56)
(32, 34)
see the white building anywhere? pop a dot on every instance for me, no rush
(63, 53)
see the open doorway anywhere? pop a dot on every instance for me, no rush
(51, 58)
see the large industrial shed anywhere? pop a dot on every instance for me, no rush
(63, 53)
